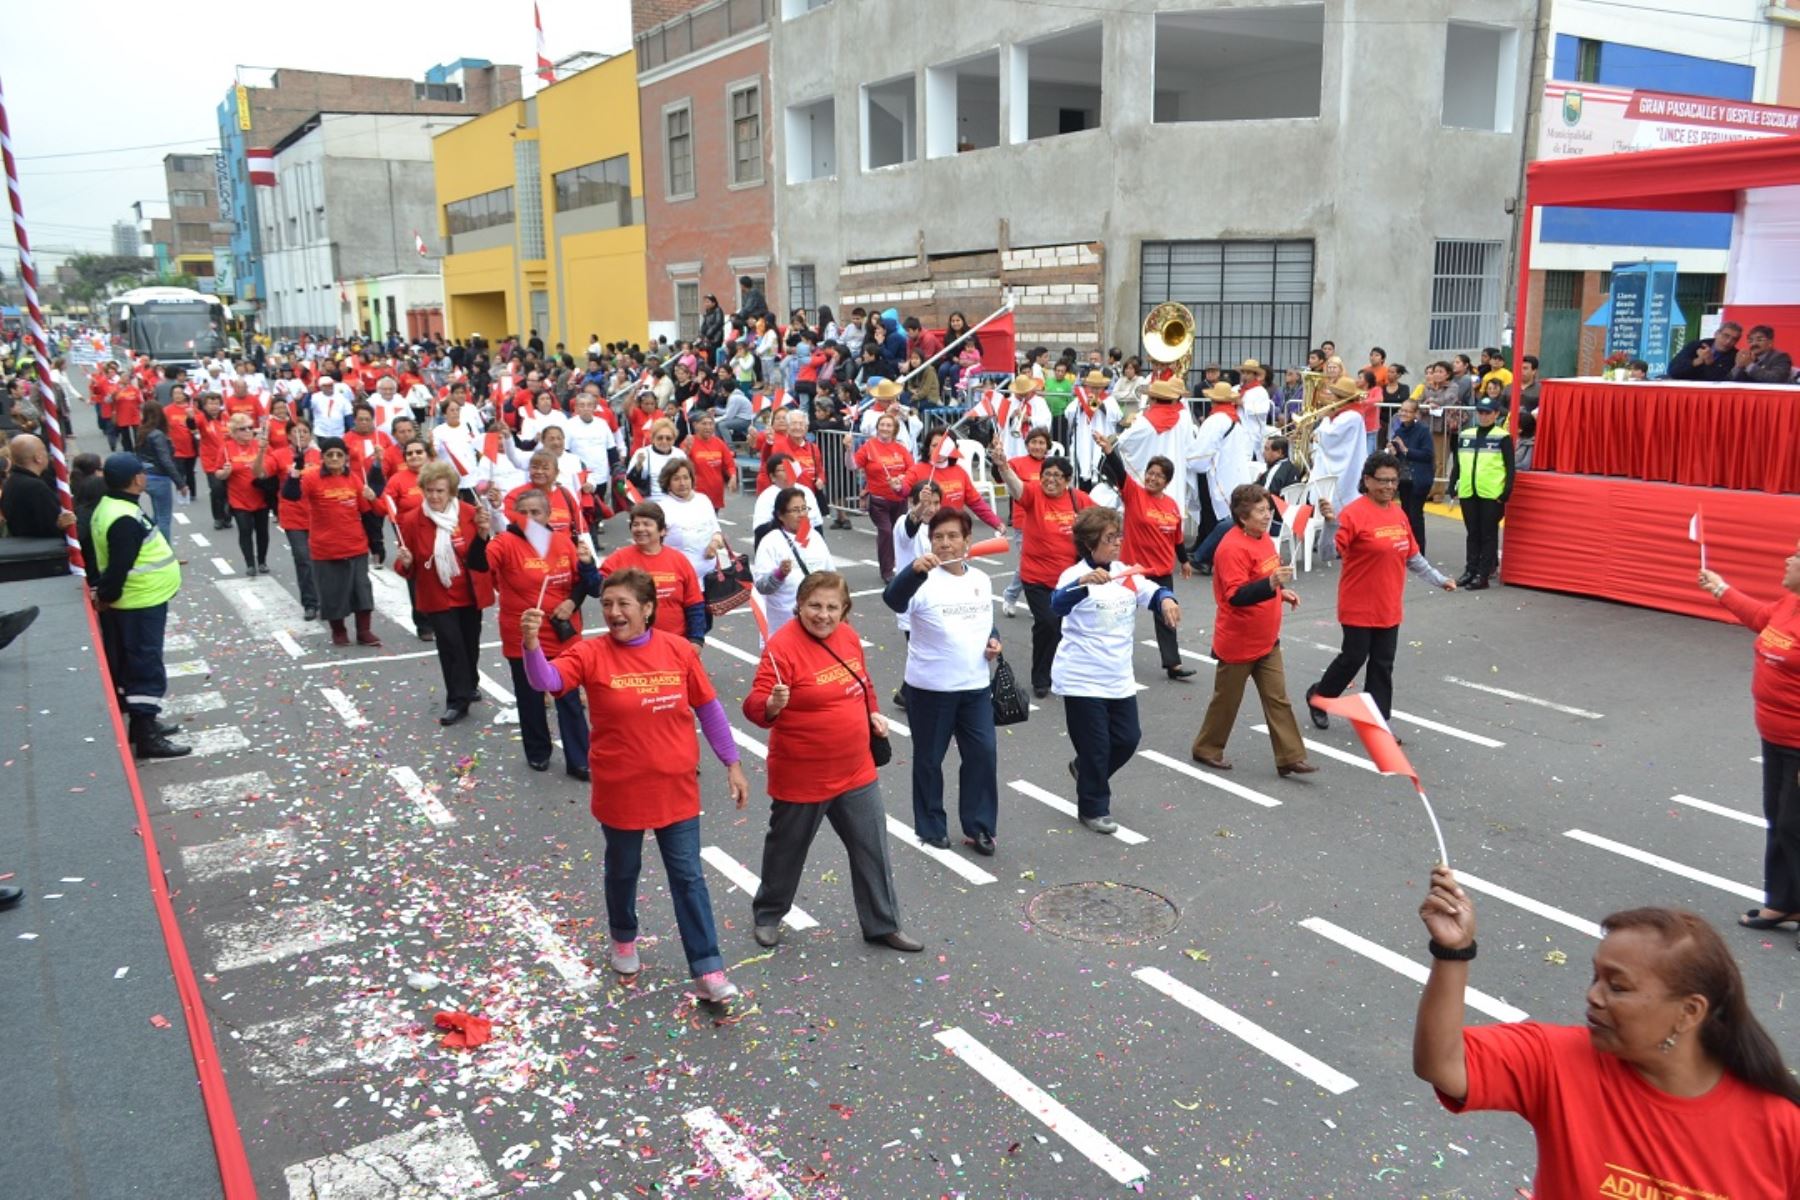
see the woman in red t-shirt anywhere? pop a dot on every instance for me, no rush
(1152, 536)
(1672, 1080)
(128, 414)
(536, 565)
(812, 692)
(400, 495)
(180, 415)
(645, 690)
(441, 550)
(884, 461)
(1775, 686)
(680, 604)
(1044, 511)
(714, 464)
(242, 470)
(940, 466)
(335, 501)
(1249, 587)
(209, 435)
(291, 462)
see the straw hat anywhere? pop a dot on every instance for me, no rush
(1251, 367)
(1220, 392)
(887, 389)
(1345, 388)
(1095, 379)
(1167, 389)
(1024, 385)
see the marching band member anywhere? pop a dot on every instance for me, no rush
(1094, 414)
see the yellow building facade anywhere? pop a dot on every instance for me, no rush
(540, 211)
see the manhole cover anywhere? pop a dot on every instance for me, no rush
(1114, 913)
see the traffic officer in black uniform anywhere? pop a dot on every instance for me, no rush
(1481, 479)
(138, 578)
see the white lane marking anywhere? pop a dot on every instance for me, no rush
(1344, 756)
(1756, 758)
(344, 707)
(854, 595)
(377, 659)
(434, 1161)
(278, 934)
(390, 596)
(224, 790)
(899, 727)
(1667, 864)
(749, 743)
(180, 643)
(1095, 1146)
(181, 518)
(200, 540)
(728, 523)
(187, 706)
(1548, 912)
(747, 882)
(1052, 800)
(1273, 1045)
(246, 852)
(551, 947)
(1193, 654)
(222, 567)
(263, 606)
(286, 641)
(749, 1174)
(1477, 1000)
(868, 562)
(1448, 730)
(1721, 810)
(1521, 696)
(421, 796)
(949, 858)
(220, 739)
(369, 1029)
(733, 651)
(253, 602)
(1211, 780)
(193, 666)
(493, 689)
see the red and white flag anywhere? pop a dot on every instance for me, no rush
(1697, 534)
(419, 245)
(760, 613)
(1378, 739)
(259, 164)
(545, 70)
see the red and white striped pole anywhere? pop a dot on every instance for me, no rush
(40, 351)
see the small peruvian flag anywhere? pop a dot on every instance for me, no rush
(419, 245)
(259, 164)
(1697, 534)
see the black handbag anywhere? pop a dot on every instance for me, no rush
(726, 589)
(880, 748)
(1010, 703)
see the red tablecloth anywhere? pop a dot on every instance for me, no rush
(1719, 436)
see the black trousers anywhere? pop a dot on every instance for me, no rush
(186, 467)
(1046, 633)
(1166, 645)
(373, 524)
(1481, 518)
(253, 528)
(534, 723)
(1412, 503)
(458, 642)
(860, 822)
(1376, 648)
(219, 497)
(1781, 805)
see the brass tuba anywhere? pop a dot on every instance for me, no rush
(1169, 337)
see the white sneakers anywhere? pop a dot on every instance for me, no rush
(625, 958)
(715, 987)
(1010, 607)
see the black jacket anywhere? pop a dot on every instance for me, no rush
(29, 504)
(712, 326)
(1684, 366)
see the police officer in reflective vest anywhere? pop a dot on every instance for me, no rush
(138, 577)
(1482, 480)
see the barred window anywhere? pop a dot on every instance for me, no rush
(678, 140)
(1465, 295)
(746, 134)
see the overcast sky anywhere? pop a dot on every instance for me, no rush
(98, 75)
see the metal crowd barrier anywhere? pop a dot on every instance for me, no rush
(843, 482)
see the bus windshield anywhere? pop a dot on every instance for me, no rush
(173, 331)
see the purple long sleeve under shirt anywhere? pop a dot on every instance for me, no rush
(713, 721)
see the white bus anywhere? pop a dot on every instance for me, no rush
(172, 325)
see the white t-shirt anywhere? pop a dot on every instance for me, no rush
(692, 525)
(456, 445)
(771, 552)
(590, 441)
(1094, 656)
(763, 511)
(952, 618)
(651, 462)
(907, 549)
(532, 423)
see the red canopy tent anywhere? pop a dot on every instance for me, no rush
(1626, 539)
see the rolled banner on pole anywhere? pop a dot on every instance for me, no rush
(987, 546)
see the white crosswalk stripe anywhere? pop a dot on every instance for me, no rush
(1051, 800)
(748, 1173)
(748, 882)
(192, 704)
(550, 946)
(1667, 864)
(220, 739)
(1719, 810)
(278, 934)
(948, 858)
(183, 670)
(1549, 912)
(1478, 1000)
(344, 707)
(1327, 751)
(1448, 730)
(235, 855)
(434, 1161)
(1277, 1048)
(422, 797)
(1210, 779)
(228, 789)
(1524, 699)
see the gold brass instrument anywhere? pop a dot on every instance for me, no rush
(1299, 431)
(1169, 337)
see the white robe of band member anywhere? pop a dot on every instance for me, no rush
(1141, 441)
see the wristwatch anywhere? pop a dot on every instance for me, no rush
(1449, 954)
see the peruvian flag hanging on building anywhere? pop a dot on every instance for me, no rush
(545, 71)
(419, 245)
(260, 165)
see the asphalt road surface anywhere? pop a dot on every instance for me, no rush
(1217, 1002)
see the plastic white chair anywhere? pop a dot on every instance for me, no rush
(1058, 449)
(1317, 488)
(974, 458)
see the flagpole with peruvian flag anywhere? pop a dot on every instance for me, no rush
(1697, 533)
(1378, 739)
(546, 70)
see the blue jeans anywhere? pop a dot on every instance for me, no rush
(680, 847)
(1209, 545)
(1106, 735)
(161, 490)
(936, 717)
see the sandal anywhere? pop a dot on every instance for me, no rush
(1753, 919)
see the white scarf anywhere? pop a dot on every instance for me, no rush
(443, 550)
